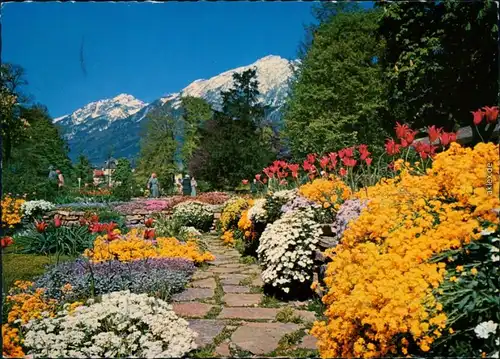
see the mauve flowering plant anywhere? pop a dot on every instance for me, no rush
(163, 276)
(350, 210)
(298, 202)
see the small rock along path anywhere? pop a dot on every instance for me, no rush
(224, 304)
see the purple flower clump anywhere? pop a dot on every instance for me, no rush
(298, 202)
(153, 275)
(348, 211)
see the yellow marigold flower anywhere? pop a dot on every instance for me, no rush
(451, 331)
(326, 205)
(323, 191)
(473, 271)
(460, 268)
(454, 279)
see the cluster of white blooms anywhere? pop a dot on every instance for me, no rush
(30, 208)
(257, 213)
(193, 208)
(285, 195)
(484, 329)
(122, 324)
(286, 249)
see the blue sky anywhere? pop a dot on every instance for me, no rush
(144, 49)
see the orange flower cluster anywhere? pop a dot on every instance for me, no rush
(133, 246)
(228, 238)
(11, 211)
(326, 192)
(380, 282)
(11, 343)
(245, 225)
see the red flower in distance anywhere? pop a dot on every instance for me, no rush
(57, 221)
(41, 226)
(368, 161)
(94, 218)
(349, 162)
(491, 114)
(333, 159)
(447, 138)
(245, 181)
(477, 117)
(264, 180)
(294, 168)
(434, 133)
(149, 233)
(343, 172)
(401, 130)
(257, 177)
(363, 151)
(391, 147)
(6, 241)
(323, 162)
(149, 222)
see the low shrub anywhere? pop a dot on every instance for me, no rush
(194, 214)
(48, 238)
(36, 209)
(274, 202)
(81, 279)
(120, 324)
(286, 252)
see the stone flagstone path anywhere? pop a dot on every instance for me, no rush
(224, 304)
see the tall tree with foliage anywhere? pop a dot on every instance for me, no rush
(441, 60)
(40, 145)
(338, 98)
(195, 112)
(123, 179)
(158, 148)
(83, 169)
(235, 144)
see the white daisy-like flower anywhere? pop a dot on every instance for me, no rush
(484, 329)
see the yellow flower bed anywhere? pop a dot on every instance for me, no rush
(11, 211)
(326, 192)
(228, 238)
(245, 225)
(232, 212)
(132, 246)
(379, 282)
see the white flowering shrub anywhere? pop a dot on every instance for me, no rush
(122, 324)
(274, 202)
(35, 208)
(257, 213)
(286, 250)
(189, 232)
(194, 214)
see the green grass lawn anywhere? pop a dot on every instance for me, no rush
(24, 266)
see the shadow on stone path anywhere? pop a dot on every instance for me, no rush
(224, 304)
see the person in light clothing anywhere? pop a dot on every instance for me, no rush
(193, 187)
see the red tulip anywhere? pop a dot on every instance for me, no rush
(343, 172)
(363, 151)
(149, 233)
(308, 167)
(333, 159)
(349, 151)
(323, 162)
(349, 162)
(283, 182)
(6, 241)
(245, 181)
(391, 147)
(311, 158)
(257, 177)
(41, 226)
(477, 117)
(491, 114)
(400, 130)
(368, 160)
(409, 137)
(57, 221)
(434, 133)
(294, 168)
(111, 235)
(149, 222)
(269, 173)
(264, 180)
(446, 138)
(83, 222)
(94, 218)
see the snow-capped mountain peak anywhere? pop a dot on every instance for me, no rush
(116, 108)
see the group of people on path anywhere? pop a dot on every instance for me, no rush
(186, 186)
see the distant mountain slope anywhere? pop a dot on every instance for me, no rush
(116, 123)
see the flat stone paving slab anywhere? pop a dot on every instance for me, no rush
(191, 309)
(204, 283)
(201, 275)
(242, 300)
(308, 342)
(193, 294)
(235, 289)
(230, 281)
(225, 270)
(261, 338)
(207, 330)
(306, 315)
(248, 313)
(233, 276)
(257, 282)
(223, 350)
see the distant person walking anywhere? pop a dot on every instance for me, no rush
(154, 186)
(194, 184)
(52, 174)
(178, 183)
(60, 179)
(186, 186)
